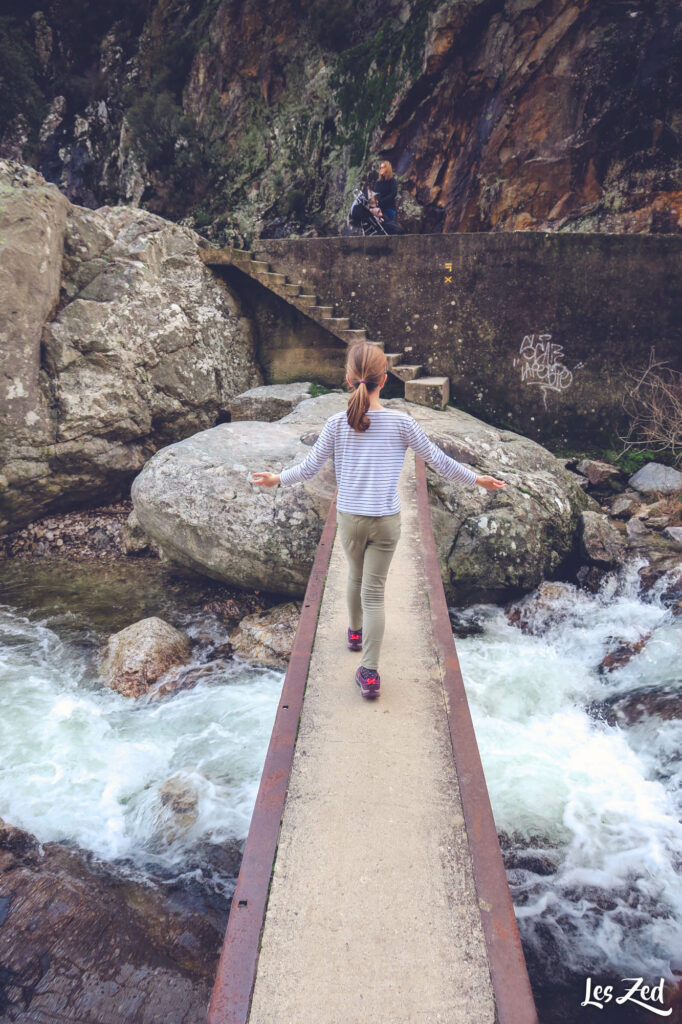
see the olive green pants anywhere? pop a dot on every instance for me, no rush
(369, 543)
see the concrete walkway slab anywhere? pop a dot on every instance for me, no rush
(372, 915)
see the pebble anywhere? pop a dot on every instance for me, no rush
(83, 534)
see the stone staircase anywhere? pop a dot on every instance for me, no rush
(431, 391)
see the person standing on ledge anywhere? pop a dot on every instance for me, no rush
(368, 443)
(386, 190)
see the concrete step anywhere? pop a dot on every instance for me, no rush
(259, 267)
(325, 311)
(307, 300)
(336, 323)
(276, 279)
(354, 335)
(393, 359)
(431, 391)
(241, 254)
(405, 372)
(292, 289)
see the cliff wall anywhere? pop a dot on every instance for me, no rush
(257, 118)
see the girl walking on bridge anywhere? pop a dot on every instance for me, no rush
(368, 443)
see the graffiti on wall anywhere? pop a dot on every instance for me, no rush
(542, 364)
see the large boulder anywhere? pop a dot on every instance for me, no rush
(493, 545)
(196, 501)
(116, 339)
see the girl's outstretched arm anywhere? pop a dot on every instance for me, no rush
(312, 464)
(441, 462)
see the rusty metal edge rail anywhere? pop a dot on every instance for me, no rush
(231, 998)
(508, 971)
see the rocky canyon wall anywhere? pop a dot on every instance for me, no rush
(257, 118)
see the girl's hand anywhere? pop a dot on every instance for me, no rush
(265, 479)
(490, 483)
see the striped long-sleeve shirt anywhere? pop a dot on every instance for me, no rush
(368, 464)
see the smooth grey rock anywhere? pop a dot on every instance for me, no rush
(116, 339)
(600, 542)
(674, 533)
(314, 411)
(269, 402)
(654, 477)
(196, 500)
(268, 637)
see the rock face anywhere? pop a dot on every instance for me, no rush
(78, 943)
(115, 339)
(268, 637)
(195, 500)
(497, 114)
(139, 655)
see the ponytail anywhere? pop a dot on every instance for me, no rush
(365, 369)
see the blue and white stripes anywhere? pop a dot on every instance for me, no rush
(368, 465)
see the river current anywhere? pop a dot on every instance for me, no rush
(588, 812)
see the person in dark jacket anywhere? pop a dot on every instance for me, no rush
(386, 189)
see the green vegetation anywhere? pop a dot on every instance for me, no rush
(20, 76)
(318, 389)
(369, 76)
(629, 462)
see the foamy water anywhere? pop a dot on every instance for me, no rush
(596, 806)
(80, 763)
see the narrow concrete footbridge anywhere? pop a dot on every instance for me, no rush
(372, 888)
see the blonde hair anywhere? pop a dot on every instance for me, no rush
(389, 169)
(365, 368)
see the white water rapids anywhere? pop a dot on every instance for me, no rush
(593, 809)
(82, 764)
(601, 803)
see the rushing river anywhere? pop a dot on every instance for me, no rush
(589, 812)
(80, 763)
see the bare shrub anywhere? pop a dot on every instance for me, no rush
(653, 403)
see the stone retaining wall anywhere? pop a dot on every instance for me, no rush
(535, 330)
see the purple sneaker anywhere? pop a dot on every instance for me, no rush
(354, 639)
(368, 680)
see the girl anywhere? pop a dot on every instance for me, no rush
(368, 443)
